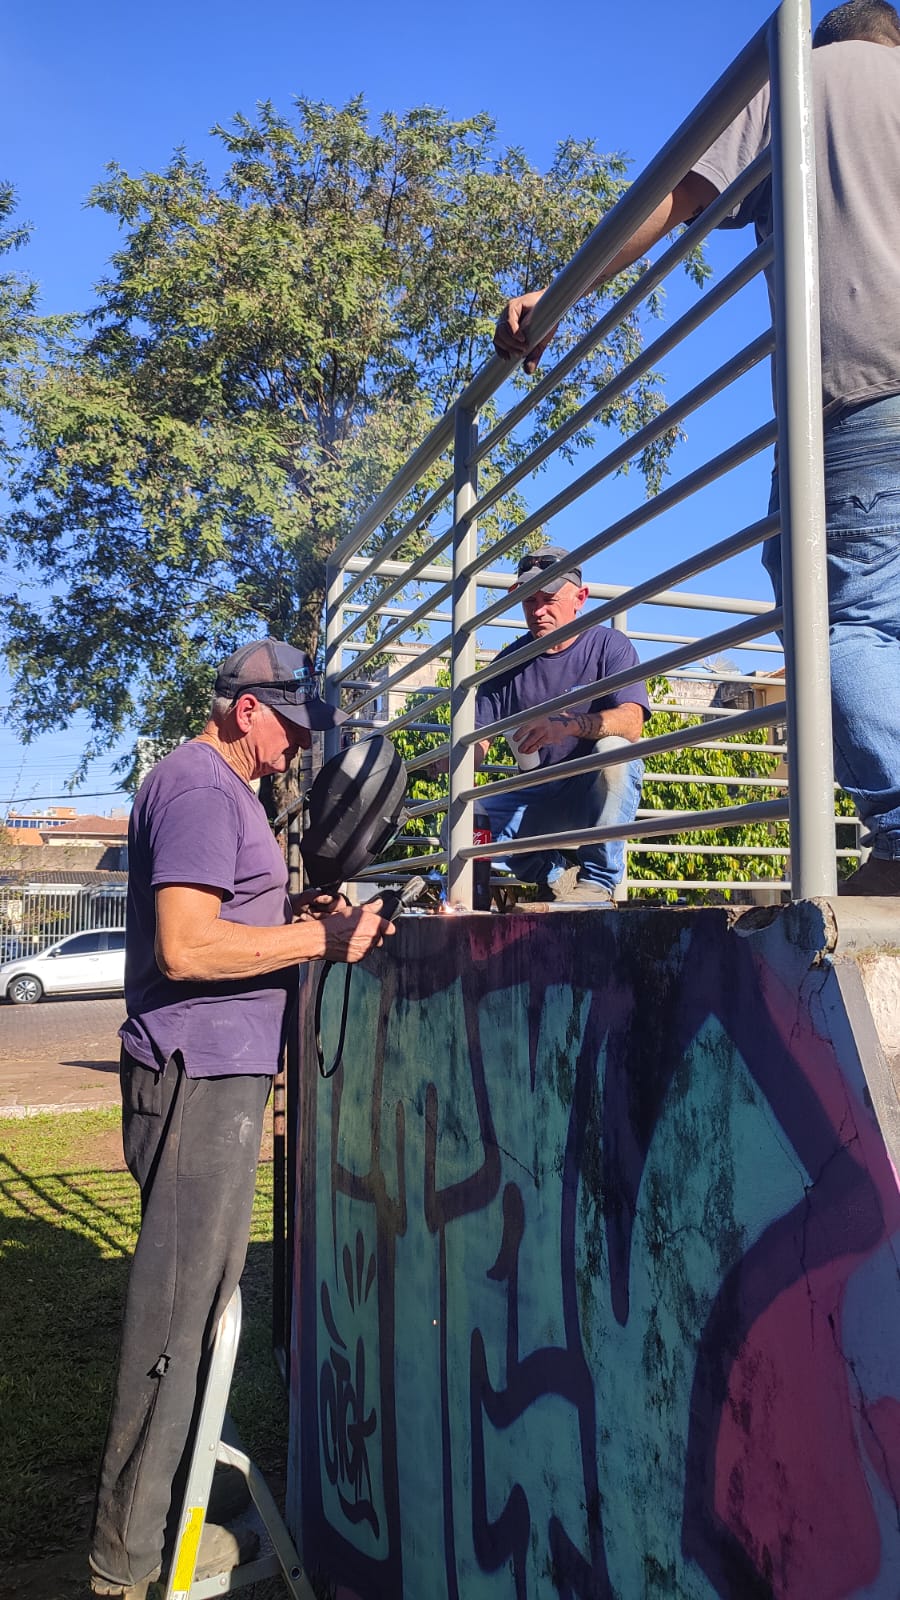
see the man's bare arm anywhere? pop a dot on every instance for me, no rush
(625, 721)
(442, 766)
(195, 944)
(686, 201)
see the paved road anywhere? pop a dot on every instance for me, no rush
(59, 1053)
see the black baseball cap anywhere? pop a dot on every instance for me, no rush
(281, 677)
(538, 560)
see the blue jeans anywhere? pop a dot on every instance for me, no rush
(862, 509)
(586, 800)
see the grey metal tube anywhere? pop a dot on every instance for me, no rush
(462, 659)
(729, 94)
(650, 356)
(716, 467)
(334, 616)
(726, 202)
(641, 749)
(800, 454)
(598, 591)
(644, 827)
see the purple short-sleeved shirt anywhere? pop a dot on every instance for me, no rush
(196, 822)
(597, 653)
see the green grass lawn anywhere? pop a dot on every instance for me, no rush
(69, 1214)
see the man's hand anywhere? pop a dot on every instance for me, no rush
(316, 903)
(545, 730)
(194, 943)
(625, 721)
(352, 931)
(511, 332)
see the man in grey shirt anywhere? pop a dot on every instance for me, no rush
(856, 85)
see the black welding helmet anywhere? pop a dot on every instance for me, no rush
(353, 810)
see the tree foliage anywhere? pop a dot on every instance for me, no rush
(262, 355)
(18, 323)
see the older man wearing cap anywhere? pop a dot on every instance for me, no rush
(606, 722)
(212, 946)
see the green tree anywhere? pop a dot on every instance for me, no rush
(18, 324)
(262, 355)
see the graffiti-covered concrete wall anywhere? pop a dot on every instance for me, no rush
(596, 1285)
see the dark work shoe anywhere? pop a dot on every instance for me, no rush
(229, 1495)
(877, 876)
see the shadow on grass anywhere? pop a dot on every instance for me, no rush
(65, 1252)
(95, 1066)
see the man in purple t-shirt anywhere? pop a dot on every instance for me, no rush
(588, 724)
(212, 945)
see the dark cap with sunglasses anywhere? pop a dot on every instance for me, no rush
(539, 560)
(281, 677)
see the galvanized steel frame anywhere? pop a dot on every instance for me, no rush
(780, 52)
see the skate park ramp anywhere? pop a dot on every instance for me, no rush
(595, 1284)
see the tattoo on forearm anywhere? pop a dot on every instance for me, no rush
(579, 722)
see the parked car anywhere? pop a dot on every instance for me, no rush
(82, 963)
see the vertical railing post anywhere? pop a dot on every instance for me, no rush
(334, 622)
(800, 455)
(462, 656)
(620, 892)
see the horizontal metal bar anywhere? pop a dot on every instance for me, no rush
(673, 822)
(721, 207)
(727, 780)
(711, 470)
(699, 711)
(639, 750)
(597, 591)
(727, 97)
(747, 358)
(717, 850)
(661, 666)
(701, 561)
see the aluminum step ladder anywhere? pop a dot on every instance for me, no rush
(217, 1440)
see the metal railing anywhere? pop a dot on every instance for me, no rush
(34, 915)
(377, 598)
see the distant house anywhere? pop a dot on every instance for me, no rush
(27, 826)
(61, 873)
(109, 831)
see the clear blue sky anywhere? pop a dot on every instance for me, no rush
(85, 85)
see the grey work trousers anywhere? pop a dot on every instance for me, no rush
(192, 1145)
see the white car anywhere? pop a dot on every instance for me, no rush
(82, 963)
